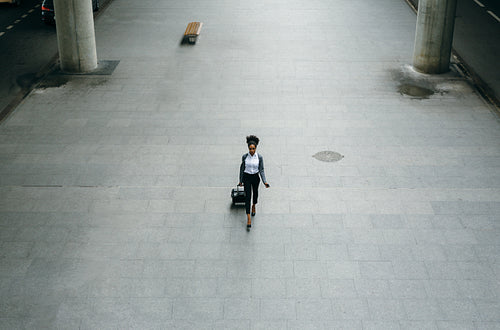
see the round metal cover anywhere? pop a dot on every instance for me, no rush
(328, 156)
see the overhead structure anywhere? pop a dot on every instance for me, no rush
(76, 35)
(434, 35)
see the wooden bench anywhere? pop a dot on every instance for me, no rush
(193, 31)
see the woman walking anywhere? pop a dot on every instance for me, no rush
(252, 165)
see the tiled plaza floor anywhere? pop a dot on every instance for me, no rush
(114, 190)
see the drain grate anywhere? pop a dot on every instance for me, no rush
(328, 156)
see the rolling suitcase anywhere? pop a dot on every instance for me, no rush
(238, 194)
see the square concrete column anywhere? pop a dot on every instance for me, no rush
(75, 35)
(434, 35)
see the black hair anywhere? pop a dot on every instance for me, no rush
(252, 139)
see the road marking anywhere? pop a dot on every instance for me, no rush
(494, 16)
(17, 21)
(479, 3)
(37, 6)
(24, 16)
(31, 10)
(9, 27)
(2, 33)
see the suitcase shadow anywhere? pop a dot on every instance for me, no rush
(237, 214)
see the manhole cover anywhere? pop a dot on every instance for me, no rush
(328, 156)
(415, 91)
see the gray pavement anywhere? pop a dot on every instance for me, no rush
(114, 190)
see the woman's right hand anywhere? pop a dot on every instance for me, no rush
(240, 184)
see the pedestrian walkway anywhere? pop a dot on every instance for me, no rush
(115, 207)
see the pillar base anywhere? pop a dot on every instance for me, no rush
(104, 68)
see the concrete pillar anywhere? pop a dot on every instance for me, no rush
(75, 35)
(434, 37)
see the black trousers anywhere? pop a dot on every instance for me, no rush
(251, 182)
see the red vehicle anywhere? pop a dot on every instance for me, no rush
(14, 2)
(48, 14)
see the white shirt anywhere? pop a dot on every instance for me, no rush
(252, 164)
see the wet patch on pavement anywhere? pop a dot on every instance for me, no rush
(415, 91)
(53, 81)
(421, 86)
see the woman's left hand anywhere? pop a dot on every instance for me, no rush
(267, 185)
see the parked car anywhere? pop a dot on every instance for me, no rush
(14, 2)
(48, 14)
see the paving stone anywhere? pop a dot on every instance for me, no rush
(313, 309)
(387, 309)
(443, 289)
(269, 288)
(427, 325)
(343, 270)
(487, 325)
(410, 270)
(462, 310)
(381, 325)
(376, 269)
(455, 325)
(350, 309)
(269, 324)
(306, 324)
(304, 288)
(278, 309)
(408, 289)
(198, 309)
(422, 309)
(302, 252)
(364, 252)
(338, 288)
(241, 309)
(488, 310)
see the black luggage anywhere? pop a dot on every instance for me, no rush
(238, 194)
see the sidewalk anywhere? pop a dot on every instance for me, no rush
(114, 190)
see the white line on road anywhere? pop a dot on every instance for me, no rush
(24, 16)
(2, 33)
(494, 16)
(9, 27)
(31, 10)
(17, 21)
(37, 6)
(479, 3)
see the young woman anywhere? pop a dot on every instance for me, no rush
(252, 165)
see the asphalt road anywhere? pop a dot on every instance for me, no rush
(477, 39)
(493, 5)
(27, 45)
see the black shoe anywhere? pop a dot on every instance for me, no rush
(253, 211)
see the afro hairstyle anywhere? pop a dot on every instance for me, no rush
(252, 139)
